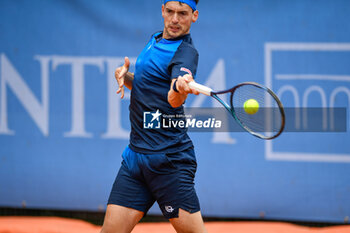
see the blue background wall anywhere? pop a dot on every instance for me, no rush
(62, 128)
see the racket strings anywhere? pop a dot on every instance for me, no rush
(267, 121)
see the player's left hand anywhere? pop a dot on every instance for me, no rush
(120, 74)
(182, 85)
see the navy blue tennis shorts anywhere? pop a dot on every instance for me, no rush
(166, 178)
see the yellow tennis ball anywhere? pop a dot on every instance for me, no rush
(251, 106)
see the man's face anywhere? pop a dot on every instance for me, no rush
(177, 19)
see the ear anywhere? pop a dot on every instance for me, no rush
(195, 16)
(163, 8)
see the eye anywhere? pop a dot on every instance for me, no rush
(183, 13)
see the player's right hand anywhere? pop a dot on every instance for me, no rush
(183, 87)
(120, 73)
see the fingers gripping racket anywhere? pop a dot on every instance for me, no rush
(255, 107)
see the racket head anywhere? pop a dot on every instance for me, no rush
(269, 121)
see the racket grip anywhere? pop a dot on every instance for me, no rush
(200, 88)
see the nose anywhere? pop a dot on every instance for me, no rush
(175, 18)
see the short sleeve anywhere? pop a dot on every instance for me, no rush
(185, 61)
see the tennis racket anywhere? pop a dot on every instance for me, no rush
(267, 121)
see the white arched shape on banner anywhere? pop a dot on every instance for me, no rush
(294, 91)
(334, 93)
(324, 105)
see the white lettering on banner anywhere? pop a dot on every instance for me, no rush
(78, 94)
(39, 112)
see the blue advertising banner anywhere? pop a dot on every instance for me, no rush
(63, 127)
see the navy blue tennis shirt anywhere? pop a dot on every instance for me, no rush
(160, 61)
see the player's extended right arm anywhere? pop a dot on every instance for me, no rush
(176, 99)
(123, 77)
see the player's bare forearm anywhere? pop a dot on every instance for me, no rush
(129, 77)
(176, 99)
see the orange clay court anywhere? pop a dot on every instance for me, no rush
(64, 225)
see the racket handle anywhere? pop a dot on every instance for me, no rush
(200, 88)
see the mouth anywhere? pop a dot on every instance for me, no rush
(174, 28)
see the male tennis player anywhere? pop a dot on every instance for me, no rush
(159, 164)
